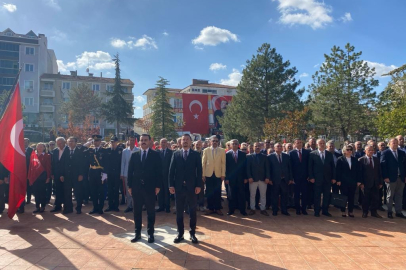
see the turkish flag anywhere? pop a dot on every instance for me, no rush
(12, 155)
(196, 113)
(36, 168)
(136, 142)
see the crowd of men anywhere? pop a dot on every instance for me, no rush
(259, 176)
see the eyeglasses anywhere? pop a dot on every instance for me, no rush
(215, 141)
(52, 144)
(244, 149)
(348, 149)
(234, 143)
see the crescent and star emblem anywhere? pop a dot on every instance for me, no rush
(196, 116)
(15, 135)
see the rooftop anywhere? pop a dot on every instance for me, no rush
(83, 78)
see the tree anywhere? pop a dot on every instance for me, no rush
(82, 132)
(267, 88)
(83, 102)
(341, 93)
(117, 109)
(145, 124)
(163, 124)
(391, 106)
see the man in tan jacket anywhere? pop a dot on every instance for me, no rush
(214, 172)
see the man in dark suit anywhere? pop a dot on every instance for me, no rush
(236, 177)
(113, 169)
(258, 174)
(4, 176)
(371, 181)
(73, 177)
(382, 191)
(163, 197)
(322, 174)
(393, 173)
(299, 159)
(144, 182)
(280, 179)
(60, 153)
(28, 151)
(186, 181)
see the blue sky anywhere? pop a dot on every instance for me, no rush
(181, 40)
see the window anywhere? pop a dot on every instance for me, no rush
(195, 90)
(65, 118)
(29, 85)
(28, 101)
(48, 86)
(109, 88)
(29, 67)
(66, 85)
(96, 87)
(7, 81)
(9, 64)
(29, 50)
(9, 47)
(124, 89)
(47, 101)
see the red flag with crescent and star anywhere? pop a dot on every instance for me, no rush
(35, 168)
(195, 113)
(12, 155)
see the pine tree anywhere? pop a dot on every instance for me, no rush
(341, 94)
(163, 124)
(83, 102)
(267, 88)
(117, 109)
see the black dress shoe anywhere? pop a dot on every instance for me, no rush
(351, 215)
(304, 212)
(28, 202)
(390, 215)
(151, 239)
(298, 212)
(55, 210)
(193, 239)
(400, 215)
(381, 209)
(178, 239)
(136, 238)
(116, 210)
(357, 207)
(327, 214)
(108, 210)
(67, 212)
(122, 203)
(257, 207)
(316, 214)
(285, 213)
(274, 213)
(365, 215)
(94, 211)
(20, 211)
(244, 214)
(36, 211)
(264, 212)
(79, 211)
(230, 213)
(375, 214)
(101, 212)
(167, 210)
(129, 209)
(159, 210)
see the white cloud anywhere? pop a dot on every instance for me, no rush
(380, 68)
(165, 33)
(139, 99)
(346, 18)
(316, 65)
(217, 66)
(53, 4)
(60, 36)
(234, 78)
(306, 12)
(199, 48)
(212, 36)
(303, 75)
(65, 68)
(9, 7)
(96, 60)
(143, 43)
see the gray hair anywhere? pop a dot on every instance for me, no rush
(60, 139)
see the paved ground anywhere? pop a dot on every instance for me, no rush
(49, 241)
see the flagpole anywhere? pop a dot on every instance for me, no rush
(5, 105)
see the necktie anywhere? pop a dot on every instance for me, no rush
(370, 163)
(300, 156)
(96, 150)
(144, 156)
(164, 152)
(396, 154)
(71, 152)
(184, 155)
(235, 157)
(279, 159)
(322, 157)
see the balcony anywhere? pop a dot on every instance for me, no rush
(47, 93)
(48, 124)
(47, 108)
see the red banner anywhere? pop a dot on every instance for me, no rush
(35, 168)
(195, 113)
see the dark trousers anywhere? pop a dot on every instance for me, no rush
(59, 192)
(113, 184)
(310, 192)
(280, 189)
(163, 196)
(122, 190)
(371, 199)
(213, 189)
(335, 188)
(141, 197)
(348, 189)
(325, 189)
(301, 195)
(86, 189)
(184, 197)
(269, 191)
(236, 197)
(40, 191)
(48, 190)
(200, 197)
(96, 187)
(29, 191)
(2, 197)
(69, 183)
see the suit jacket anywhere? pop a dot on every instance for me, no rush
(278, 169)
(258, 167)
(3, 173)
(344, 173)
(359, 154)
(370, 177)
(166, 162)
(148, 172)
(74, 164)
(185, 172)
(319, 171)
(113, 164)
(300, 170)
(214, 162)
(28, 152)
(58, 165)
(236, 172)
(392, 168)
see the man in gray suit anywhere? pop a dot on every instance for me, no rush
(281, 178)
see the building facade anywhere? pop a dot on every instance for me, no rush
(196, 107)
(54, 90)
(30, 53)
